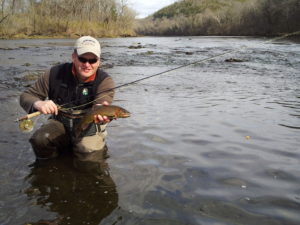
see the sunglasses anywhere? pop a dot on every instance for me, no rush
(84, 60)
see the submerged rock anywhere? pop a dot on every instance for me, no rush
(135, 46)
(26, 64)
(4, 48)
(149, 52)
(107, 65)
(233, 60)
(189, 53)
(30, 76)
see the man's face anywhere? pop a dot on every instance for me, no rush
(86, 65)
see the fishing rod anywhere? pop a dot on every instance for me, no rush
(145, 78)
(29, 116)
(179, 67)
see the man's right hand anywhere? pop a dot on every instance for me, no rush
(46, 107)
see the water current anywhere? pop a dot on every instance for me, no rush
(212, 143)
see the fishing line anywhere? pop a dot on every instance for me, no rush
(170, 70)
(145, 78)
(179, 67)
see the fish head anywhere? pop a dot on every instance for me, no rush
(122, 113)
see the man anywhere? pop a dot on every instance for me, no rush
(77, 85)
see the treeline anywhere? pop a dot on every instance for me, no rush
(23, 18)
(224, 17)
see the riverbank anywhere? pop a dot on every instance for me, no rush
(58, 36)
(292, 37)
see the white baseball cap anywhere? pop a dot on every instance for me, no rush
(87, 44)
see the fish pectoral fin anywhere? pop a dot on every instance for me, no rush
(115, 116)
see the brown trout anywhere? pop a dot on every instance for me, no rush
(111, 111)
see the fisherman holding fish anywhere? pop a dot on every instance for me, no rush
(81, 85)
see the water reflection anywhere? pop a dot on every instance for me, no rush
(79, 189)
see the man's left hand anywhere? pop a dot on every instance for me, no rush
(99, 118)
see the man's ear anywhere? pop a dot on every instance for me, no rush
(74, 56)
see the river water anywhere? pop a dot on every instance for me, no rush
(212, 143)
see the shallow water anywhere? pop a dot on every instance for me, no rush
(211, 143)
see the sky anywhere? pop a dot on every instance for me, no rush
(146, 7)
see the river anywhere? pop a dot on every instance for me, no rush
(215, 142)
